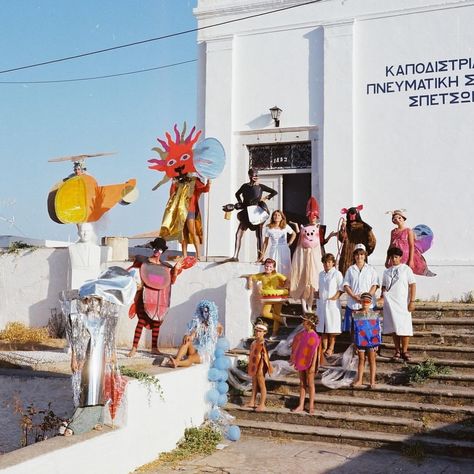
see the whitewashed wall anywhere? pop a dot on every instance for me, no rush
(30, 284)
(315, 62)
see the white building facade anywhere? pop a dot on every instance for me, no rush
(377, 102)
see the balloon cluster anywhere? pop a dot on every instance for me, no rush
(217, 395)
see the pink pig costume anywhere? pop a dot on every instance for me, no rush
(306, 263)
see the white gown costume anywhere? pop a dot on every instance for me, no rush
(396, 317)
(278, 248)
(328, 311)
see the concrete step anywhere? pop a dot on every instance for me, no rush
(329, 419)
(432, 351)
(443, 310)
(446, 395)
(442, 325)
(461, 338)
(355, 421)
(440, 446)
(424, 310)
(427, 413)
(385, 363)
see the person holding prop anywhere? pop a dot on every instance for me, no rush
(359, 278)
(272, 292)
(412, 243)
(190, 165)
(366, 338)
(305, 359)
(259, 365)
(253, 211)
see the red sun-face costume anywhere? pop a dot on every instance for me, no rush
(177, 162)
(177, 156)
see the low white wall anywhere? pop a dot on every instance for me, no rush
(152, 426)
(221, 283)
(30, 284)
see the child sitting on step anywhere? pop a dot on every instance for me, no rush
(259, 365)
(304, 357)
(367, 338)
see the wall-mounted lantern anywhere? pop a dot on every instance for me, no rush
(276, 112)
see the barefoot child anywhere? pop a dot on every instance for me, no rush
(328, 306)
(273, 291)
(304, 357)
(366, 337)
(398, 298)
(259, 365)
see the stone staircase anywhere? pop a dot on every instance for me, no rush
(436, 416)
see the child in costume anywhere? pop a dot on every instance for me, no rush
(304, 357)
(273, 292)
(259, 365)
(367, 338)
(359, 278)
(151, 301)
(398, 297)
(354, 231)
(328, 305)
(404, 238)
(306, 264)
(201, 338)
(275, 245)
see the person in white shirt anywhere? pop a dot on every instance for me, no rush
(359, 278)
(398, 297)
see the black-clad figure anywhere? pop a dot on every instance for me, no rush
(251, 194)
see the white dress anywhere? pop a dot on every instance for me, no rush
(329, 312)
(278, 248)
(396, 317)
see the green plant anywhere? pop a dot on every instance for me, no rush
(434, 298)
(242, 365)
(150, 381)
(415, 451)
(467, 297)
(17, 246)
(419, 373)
(197, 441)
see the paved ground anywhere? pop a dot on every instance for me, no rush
(259, 455)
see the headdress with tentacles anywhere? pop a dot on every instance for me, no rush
(204, 323)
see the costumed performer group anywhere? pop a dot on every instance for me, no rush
(310, 273)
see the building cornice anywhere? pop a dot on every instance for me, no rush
(276, 130)
(229, 10)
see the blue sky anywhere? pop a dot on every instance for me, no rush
(124, 114)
